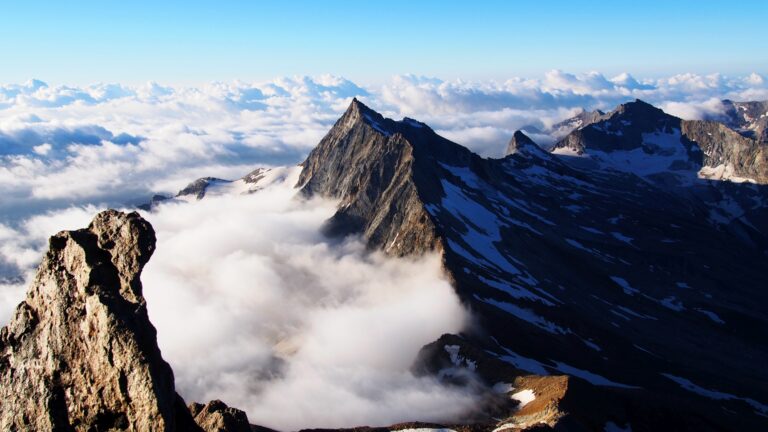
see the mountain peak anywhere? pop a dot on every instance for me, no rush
(358, 112)
(639, 107)
(358, 107)
(521, 143)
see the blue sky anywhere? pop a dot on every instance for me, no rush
(366, 41)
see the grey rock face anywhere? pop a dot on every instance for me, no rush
(721, 145)
(702, 144)
(748, 118)
(369, 162)
(522, 144)
(580, 120)
(80, 353)
(198, 187)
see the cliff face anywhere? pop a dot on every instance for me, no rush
(722, 146)
(749, 118)
(80, 353)
(367, 162)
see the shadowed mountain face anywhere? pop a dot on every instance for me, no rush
(596, 270)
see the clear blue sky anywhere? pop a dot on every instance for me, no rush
(368, 41)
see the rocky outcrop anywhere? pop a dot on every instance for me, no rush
(582, 119)
(621, 129)
(748, 118)
(520, 142)
(216, 416)
(199, 187)
(80, 353)
(711, 149)
(721, 146)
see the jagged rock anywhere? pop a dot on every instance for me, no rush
(199, 187)
(80, 353)
(721, 146)
(582, 119)
(153, 202)
(368, 161)
(216, 416)
(682, 148)
(748, 118)
(522, 145)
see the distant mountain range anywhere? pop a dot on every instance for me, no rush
(618, 278)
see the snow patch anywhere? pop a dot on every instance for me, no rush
(760, 408)
(524, 363)
(628, 290)
(524, 397)
(525, 315)
(621, 237)
(590, 377)
(711, 315)
(673, 303)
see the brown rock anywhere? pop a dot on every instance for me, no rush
(216, 416)
(80, 353)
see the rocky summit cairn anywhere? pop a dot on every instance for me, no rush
(80, 353)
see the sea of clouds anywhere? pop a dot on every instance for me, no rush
(111, 143)
(252, 304)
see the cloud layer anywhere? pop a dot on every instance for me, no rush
(114, 145)
(255, 307)
(252, 304)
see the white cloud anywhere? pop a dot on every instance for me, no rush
(225, 269)
(118, 145)
(63, 145)
(255, 307)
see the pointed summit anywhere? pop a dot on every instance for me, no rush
(638, 104)
(371, 163)
(358, 112)
(522, 144)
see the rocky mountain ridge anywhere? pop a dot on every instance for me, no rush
(625, 137)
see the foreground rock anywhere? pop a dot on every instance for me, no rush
(80, 352)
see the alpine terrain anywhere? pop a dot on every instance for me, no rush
(617, 280)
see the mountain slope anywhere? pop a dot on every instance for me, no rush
(568, 271)
(683, 157)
